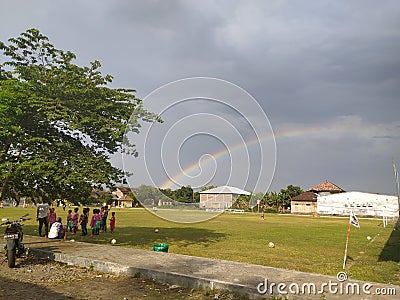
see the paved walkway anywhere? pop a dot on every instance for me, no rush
(189, 271)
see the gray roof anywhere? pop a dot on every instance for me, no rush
(226, 190)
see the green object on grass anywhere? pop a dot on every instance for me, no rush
(160, 247)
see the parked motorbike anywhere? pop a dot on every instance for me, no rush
(13, 237)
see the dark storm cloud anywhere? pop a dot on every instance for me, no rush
(308, 63)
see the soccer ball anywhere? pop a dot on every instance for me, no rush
(156, 230)
(113, 241)
(271, 245)
(369, 238)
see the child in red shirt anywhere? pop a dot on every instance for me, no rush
(95, 222)
(112, 221)
(52, 216)
(75, 219)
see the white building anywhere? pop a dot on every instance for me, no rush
(221, 197)
(363, 204)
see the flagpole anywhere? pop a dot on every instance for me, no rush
(396, 179)
(347, 243)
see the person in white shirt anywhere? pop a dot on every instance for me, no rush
(41, 216)
(57, 230)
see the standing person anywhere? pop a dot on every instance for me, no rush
(98, 221)
(41, 216)
(83, 219)
(101, 216)
(75, 219)
(93, 222)
(104, 215)
(69, 221)
(52, 216)
(112, 222)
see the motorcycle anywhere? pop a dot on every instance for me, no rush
(13, 237)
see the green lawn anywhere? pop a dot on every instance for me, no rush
(304, 243)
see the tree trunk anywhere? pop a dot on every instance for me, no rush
(12, 170)
(5, 183)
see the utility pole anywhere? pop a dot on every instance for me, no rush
(396, 178)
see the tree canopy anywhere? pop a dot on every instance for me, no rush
(290, 192)
(59, 122)
(184, 194)
(270, 200)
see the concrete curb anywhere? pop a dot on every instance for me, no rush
(174, 278)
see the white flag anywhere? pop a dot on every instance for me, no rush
(354, 220)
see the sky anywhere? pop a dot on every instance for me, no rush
(281, 92)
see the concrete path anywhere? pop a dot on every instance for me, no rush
(245, 279)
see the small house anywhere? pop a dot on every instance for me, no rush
(122, 196)
(306, 203)
(124, 201)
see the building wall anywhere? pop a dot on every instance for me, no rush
(303, 207)
(360, 203)
(125, 203)
(216, 201)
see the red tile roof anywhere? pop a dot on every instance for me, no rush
(125, 198)
(306, 196)
(125, 190)
(326, 186)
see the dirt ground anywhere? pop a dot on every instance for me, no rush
(35, 278)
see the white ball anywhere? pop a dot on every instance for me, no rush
(271, 245)
(369, 238)
(156, 230)
(113, 241)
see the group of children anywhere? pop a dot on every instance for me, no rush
(98, 221)
(47, 216)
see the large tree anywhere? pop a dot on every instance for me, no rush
(290, 192)
(59, 122)
(185, 194)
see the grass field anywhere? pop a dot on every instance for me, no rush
(304, 243)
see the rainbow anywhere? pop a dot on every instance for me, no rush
(333, 128)
(215, 156)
